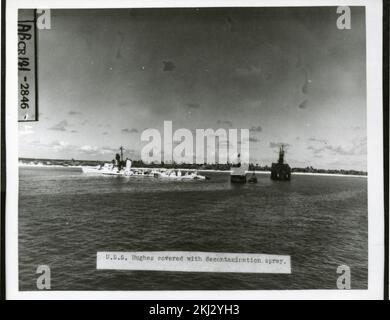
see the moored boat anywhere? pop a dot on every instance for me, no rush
(252, 178)
(238, 174)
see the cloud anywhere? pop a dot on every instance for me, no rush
(78, 151)
(108, 150)
(60, 126)
(168, 66)
(324, 141)
(73, 113)
(357, 147)
(360, 145)
(303, 105)
(126, 130)
(339, 150)
(88, 148)
(256, 129)
(225, 122)
(58, 145)
(316, 150)
(95, 150)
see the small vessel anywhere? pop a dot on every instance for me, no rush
(252, 178)
(281, 171)
(238, 174)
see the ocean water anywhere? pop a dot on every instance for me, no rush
(66, 216)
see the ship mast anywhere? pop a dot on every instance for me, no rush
(281, 155)
(121, 149)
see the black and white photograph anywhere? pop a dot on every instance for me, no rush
(209, 148)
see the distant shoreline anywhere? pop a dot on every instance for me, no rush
(47, 165)
(298, 173)
(42, 165)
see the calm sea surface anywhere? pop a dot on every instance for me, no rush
(66, 216)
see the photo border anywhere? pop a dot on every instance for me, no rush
(386, 84)
(376, 138)
(2, 153)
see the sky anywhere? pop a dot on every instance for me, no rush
(287, 74)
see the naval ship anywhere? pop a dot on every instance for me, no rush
(121, 167)
(280, 171)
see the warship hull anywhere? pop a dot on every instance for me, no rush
(280, 172)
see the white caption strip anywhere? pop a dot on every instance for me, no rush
(188, 261)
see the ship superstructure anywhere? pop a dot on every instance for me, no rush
(281, 171)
